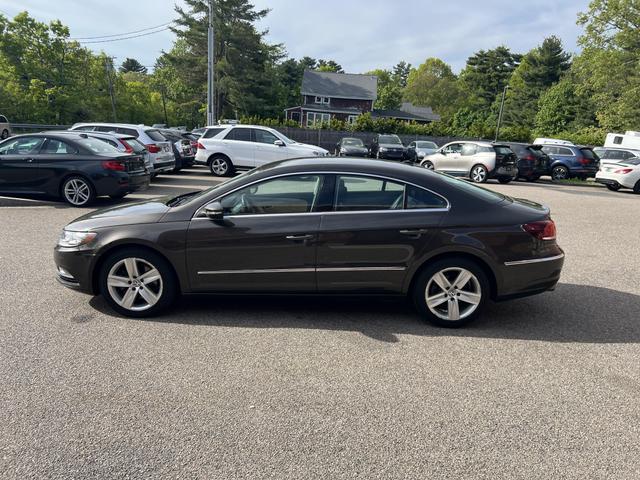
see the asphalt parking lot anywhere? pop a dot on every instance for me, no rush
(293, 388)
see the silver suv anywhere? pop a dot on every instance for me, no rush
(478, 161)
(160, 150)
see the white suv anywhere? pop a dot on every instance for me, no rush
(225, 148)
(5, 127)
(478, 161)
(160, 150)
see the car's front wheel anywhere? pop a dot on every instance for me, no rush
(137, 283)
(479, 174)
(78, 191)
(451, 292)
(220, 166)
(428, 165)
(559, 172)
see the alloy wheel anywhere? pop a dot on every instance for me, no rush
(219, 166)
(429, 166)
(478, 174)
(453, 294)
(135, 284)
(559, 173)
(77, 191)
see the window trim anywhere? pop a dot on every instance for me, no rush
(321, 100)
(315, 121)
(49, 139)
(199, 211)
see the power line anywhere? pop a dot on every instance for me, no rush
(125, 38)
(121, 34)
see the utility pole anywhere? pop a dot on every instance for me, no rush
(211, 108)
(504, 93)
(109, 66)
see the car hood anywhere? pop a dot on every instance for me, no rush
(354, 149)
(310, 148)
(148, 211)
(391, 145)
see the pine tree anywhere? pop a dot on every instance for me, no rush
(132, 65)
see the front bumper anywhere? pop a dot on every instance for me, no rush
(74, 267)
(391, 155)
(521, 278)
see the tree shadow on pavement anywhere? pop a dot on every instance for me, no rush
(573, 313)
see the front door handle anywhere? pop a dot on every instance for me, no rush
(299, 238)
(417, 233)
(29, 160)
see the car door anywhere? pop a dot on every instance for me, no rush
(448, 158)
(377, 229)
(466, 160)
(266, 148)
(265, 242)
(241, 147)
(56, 159)
(19, 165)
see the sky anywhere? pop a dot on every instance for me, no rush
(360, 35)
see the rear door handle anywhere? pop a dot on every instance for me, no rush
(29, 160)
(417, 233)
(298, 238)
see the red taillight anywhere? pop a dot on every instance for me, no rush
(127, 147)
(194, 144)
(624, 171)
(153, 148)
(542, 230)
(584, 161)
(113, 165)
(200, 146)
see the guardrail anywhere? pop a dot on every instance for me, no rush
(35, 127)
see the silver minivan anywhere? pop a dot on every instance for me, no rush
(159, 148)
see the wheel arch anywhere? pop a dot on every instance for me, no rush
(218, 154)
(478, 260)
(112, 249)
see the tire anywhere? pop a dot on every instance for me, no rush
(429, 165)
(613, 188)
(5, 134)
(505, 180)
(77, 191)
(220, 166)
(143, 291)
(636, 187)
(559, 172)
(479, 174)
(452, 311)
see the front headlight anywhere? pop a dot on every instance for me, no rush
(383, 149)
(421, 154)
(75, 239)
(343, 150)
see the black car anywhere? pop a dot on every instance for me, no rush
(388, 147)
(532, 161)
(351, 147)
(319, 226)
(183, 149)
(68, 165)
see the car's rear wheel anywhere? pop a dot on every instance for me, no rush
(78, 191)
(613, 188)
(636, 187)
(559, 172)
(479, 174)
(428, 165)
(137, 283)
(451, 292)
(220, 166)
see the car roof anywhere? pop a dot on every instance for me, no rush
(98, 134)
(109, 124)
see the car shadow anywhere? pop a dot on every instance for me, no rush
(572, 313)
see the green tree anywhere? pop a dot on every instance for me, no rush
(433, 84)
(329, 66)
(132, 65)
(563, 108)
(401, 73)
(389, 90)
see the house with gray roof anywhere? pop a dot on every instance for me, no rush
(345, 96)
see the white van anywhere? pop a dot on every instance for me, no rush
(629, 140)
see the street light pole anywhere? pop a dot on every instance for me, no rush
(211, 111)
(504, 93)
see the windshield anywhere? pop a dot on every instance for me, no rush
(285, 139)
(179, 199)
(352, 142)
(632, 161)
(390, 139)
(472, 189)
(430, 145)
(98, 147)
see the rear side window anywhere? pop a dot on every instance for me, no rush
(469, 149)
(57, 147)
(97, 147)
(105, 129)
(211, 132)
(588, 153)
(155, 135)
(239, 135)
(127, 131)
(564, 151)
(365, 193)
(420, 198)
(503, 150)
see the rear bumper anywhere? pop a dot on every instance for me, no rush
(160, 167)
(521, 278)
(508, 172)
(118, 183)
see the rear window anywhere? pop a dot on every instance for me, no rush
(134, 143)
(588, 153)
(155, 135)
(472, 189)
(211, 132)
(127, 131)
(97, 146)
(500, 150)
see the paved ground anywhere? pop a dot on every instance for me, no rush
(546, 387)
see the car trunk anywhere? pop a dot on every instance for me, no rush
(589, 158)
(133, 163)
(541, 161)
(505, 156)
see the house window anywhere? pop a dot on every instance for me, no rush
(351, 119)
(323, 100)
(314, 118)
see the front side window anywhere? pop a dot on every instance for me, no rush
(355, 193)
(263, 136)
(58, 147)
(294, 194)
(239, 135)
(21, 146)
(453, 148)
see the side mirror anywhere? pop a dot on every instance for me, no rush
(279, 143)
(214, 211)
